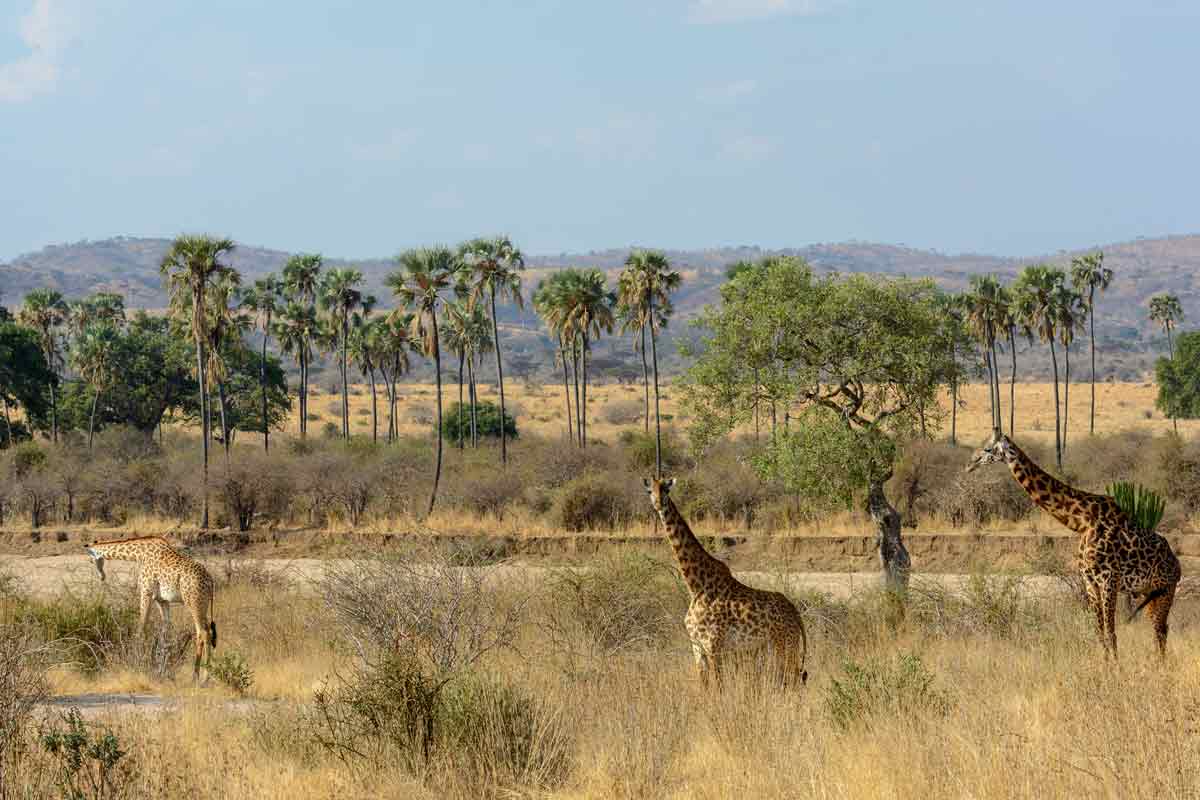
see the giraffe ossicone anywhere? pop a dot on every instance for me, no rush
(727, 619)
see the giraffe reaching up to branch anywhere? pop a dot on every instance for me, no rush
(166, 577)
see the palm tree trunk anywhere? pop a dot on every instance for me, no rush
(987, 358)
(583, 408)
(262, 382)
(387, 388)
(53, 412)
(345, 376)
(1057, 410)
(374, 405)
(303, 390)
(756, 401)
(1092, 337)
(204, 429)
(1066, 394)
(645, 383)
(1012, 382)
(996, 386)
(1171, 354)
(562, 353)
(437, 368)
(474, 397)
(92, 419)
(499, 381)
(224, 424)
(462, 440)
(954, 411)
(575, 378)
(8, 440)
(657, 410)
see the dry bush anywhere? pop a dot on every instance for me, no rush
(922, 474)
(983, 496)
(724, 486)
(24, 659)
(623, 412)
(996, 606)
(420, 415)
(598, 500)
(254, 488)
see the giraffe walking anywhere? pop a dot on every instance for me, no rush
(727, 619)
(166, 577)
(1114, 554)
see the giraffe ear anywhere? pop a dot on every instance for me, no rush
(670, 484)
(646, 483)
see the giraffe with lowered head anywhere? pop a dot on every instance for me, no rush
(727, 619)
(166, 576)
(1114, 554)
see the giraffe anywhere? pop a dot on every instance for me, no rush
(726, 618)
(1114, 555)
(166, 577)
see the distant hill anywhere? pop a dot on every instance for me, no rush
(1143, 267)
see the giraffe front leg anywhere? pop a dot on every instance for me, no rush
(1108, 598)
(1160, 609)
(146, 598)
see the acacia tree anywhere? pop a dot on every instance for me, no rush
(648, 280)
(45, 311)
(191, 265)
(424, 274)
(870, 352)
(265, 301)
(1178, 379)
(495, 266)
(1166, 310)
(301, 277)
(1088, 274)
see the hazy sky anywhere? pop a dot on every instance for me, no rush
(361, 128)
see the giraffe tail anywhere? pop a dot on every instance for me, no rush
(212, 623)
(1145, 602)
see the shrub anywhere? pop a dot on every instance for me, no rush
(594, 501)
(487, 421)
(421, 415)
(23, 663)
(87, 764)
(623, 412)
(230, 669)
(900, 686)
(331, 430)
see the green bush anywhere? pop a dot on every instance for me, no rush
(230, 669)
(487, 422)
(639, 447)
(87, 760)
(86, 628)
(877, 687)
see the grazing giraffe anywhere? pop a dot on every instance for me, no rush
(1114, 554)
(166, 577)
(726, 618)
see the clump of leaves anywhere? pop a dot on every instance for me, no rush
(1143, 506)
(230, 669)
(902, 686)
(86, 762)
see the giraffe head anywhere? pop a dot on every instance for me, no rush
(658, 489)
(97, 558)
(998, 450)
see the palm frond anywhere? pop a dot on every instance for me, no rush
(1143, 506)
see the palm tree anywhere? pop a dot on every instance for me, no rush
(295, 330)
(587, 310)
(226, 325)
(365, 352)
(1036, 298)
(265, 301)
(479, 344)
(393, 345)
(98, 307)
(339, 297)
(455, 334)
(190, 267)
(1088, 273)
(1166, 310)
(495, 266)
(652, 280)
(93, 354)
(984, 315)
(301, 277)
(545, 300)
(1070, 310)
(424, 274)
(45, 311)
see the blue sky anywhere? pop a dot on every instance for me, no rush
(361, 128)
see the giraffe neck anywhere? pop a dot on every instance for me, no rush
(694, 561)
(133, 550)
(1065, 503)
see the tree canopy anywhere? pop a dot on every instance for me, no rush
(1179, 379)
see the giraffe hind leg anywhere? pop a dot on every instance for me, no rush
(1160, 609)
(1108, 598)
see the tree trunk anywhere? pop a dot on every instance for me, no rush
(562, 352)
(1066, 395)
(345, 378)
(262, 382)
(583, 408)
(987, 357)
(893, 556)
(645, 382)
(303, 390)
(756, 399)
(92, 419)
(575, 378)
(657, 411)
(387, 388)
(474, 398)
(437, 367)
(499, 380)
(53, 412)
(462, 440)
(1092, 337)
(204, 429)
(1171, 354)
(8, 440)
(954, 411)
(1057, 410)
(224, 425)
(1012, 383)
(374, 405)
(996, 386)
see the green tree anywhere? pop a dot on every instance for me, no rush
(585, 310)
(546, 301)
(1178, 379)
(93, 354)
(1069, 305)
(340, 297)
(365, 351)
(1166, 310)
(99, 307)
(295, 331)
(24, 375)
(985, 313)
(1037, 300)
(495, 266)
(191, 265)
(646, 283)
(873, 352)
(424, 274)
(394, 344)
(1088, 274)
(225, 328)
(301, 278)
(264, 301)
(45, 311)
(456, 426)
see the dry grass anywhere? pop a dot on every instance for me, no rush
(1030, 710)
